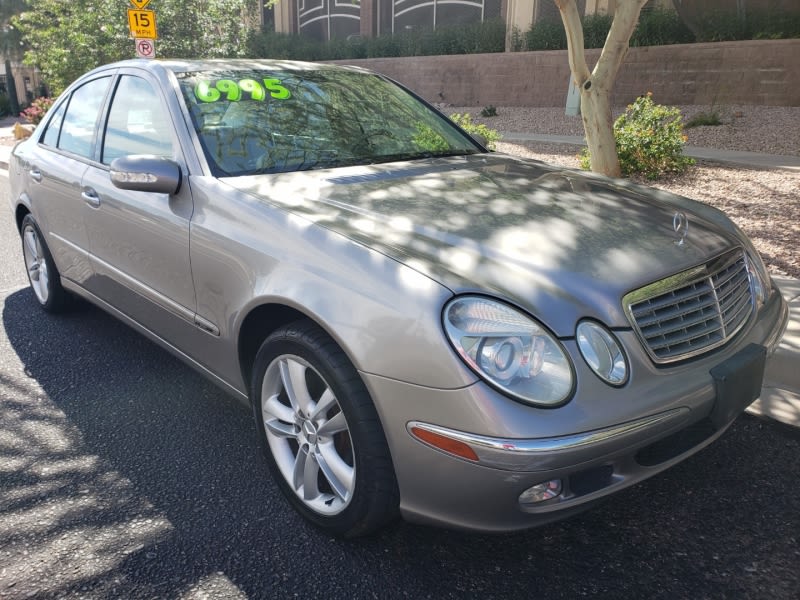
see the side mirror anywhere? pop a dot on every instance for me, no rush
(145, 173)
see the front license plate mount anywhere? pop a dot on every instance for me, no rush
(737, 383)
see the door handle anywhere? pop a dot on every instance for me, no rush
(36, 175)
(91, 198)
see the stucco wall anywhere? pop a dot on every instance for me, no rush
(761, 72)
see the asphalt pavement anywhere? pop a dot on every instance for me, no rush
(123, 474)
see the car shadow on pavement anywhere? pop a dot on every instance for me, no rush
(125, 474)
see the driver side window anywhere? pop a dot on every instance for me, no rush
(137, 122)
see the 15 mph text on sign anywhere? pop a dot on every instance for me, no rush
(142, 23)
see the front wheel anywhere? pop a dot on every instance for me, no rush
(42, 272)
(323, 440)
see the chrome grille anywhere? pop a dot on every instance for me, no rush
(692, 312)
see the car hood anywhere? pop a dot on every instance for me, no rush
(561, 244)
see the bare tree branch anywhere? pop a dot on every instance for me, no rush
(575, 47)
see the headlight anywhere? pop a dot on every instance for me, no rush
(509, 349)
(760, 281)
(602, 352)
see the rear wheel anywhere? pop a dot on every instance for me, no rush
(322, 436)
(42, 272)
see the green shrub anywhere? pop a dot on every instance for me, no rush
(649, 139)
(773, 25)
(518, 40)
(656, 27)
(471, 38)
(430, 140)
(489, 111)
(595, 30)
(704, 119)
(5, 105)
(661, 27)
(465, 122)
(546, 35)
(720, 26)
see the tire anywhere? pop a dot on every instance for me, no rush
(42, 273)
(321, 433)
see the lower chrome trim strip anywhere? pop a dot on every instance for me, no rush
(549, 453)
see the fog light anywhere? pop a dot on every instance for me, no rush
(541, 492)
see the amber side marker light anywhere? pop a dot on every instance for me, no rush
(446, 444)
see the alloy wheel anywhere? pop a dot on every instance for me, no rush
(36, 264)
(308, 434)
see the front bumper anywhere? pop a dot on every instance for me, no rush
(604, 440)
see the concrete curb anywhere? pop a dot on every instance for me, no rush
(780, 396)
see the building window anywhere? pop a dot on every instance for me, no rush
(328, 19)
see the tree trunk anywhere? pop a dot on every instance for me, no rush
(599, 128)
(11, 87)
(596, 85)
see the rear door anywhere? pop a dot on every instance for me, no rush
(55, 170)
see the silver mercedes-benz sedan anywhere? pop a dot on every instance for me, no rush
(422, 327)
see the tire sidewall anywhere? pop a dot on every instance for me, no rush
(293, 341)
(56, 295)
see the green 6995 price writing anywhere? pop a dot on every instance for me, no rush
(230, 90)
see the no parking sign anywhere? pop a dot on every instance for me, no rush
(146, 48)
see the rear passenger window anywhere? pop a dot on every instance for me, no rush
(54, 127)
(80, 121)
(137, 122)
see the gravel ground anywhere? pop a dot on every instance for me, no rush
(764, 203)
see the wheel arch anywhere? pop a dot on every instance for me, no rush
(19, 214)
(260, 322)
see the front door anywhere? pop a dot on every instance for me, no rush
(140, 241)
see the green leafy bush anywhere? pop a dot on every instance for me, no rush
(656, 27)
(518, 40)
(704, 119)
(773, 25)
(5, 105)
(465, 122)
(649, 139)
(489, 111)
(661, 27)
(595, 30)
(546, 35)
(471, 38)
(429, 139)
(720, 26)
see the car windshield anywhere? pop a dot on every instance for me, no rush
(277, 121)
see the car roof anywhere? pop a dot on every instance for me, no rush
(227, 64)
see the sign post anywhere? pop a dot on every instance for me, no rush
(573, 99)
(142, 25)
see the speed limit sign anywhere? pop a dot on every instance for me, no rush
(142, 23)
(145, 48)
